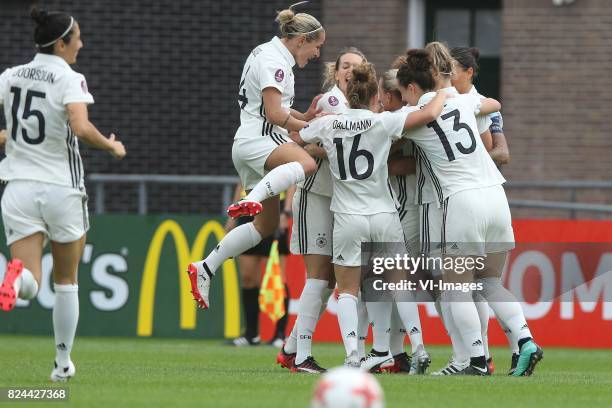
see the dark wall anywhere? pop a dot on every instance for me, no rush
(165, 76)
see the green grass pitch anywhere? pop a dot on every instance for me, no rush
(121, 372)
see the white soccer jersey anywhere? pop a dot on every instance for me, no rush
(490, 117)
(482, 121)
(269, 65)
(40, 144)
(320, 182)
(357, 144)
(404, 186)
(451, 154)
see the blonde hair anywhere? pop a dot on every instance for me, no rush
(329, 73)
(362, 86)
(441, 58)
(292, 24)
(390, 83)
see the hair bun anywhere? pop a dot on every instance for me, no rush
(39, 16)
(285, 17)
(420, 59)
(475, 52)
(363, 72)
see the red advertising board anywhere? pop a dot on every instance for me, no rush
(551, 260)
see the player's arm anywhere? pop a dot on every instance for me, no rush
(312, 111)
(500, 152)
(315, 151)
(275, 113)
(2, 137)
(428, 113)
(78, 117)
(487, 140)
(489, 105)
(400, 166)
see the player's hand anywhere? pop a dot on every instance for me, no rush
(117, 149)
(2, 137)
(312, 110)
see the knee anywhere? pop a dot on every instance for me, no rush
(309, 165)
(266, 227)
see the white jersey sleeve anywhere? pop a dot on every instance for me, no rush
(311, 133)
(394, 122)
(3, 85)
(271, 73)
(76, 90)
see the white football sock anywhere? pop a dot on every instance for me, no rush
(460, 353)
(65, 320)
(279, 179)
(26, 286)
(380, 315)
(398, 333)
(309, 310)
(291, 342)
(465, 318)
(363, 325)
(482, 307)
(236, 241)
(347, 320)
(506, 307)
(409, 314)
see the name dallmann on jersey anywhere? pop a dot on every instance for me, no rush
(352, 126)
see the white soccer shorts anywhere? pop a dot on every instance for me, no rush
(250, 155)
(59, 212)
(312, 224)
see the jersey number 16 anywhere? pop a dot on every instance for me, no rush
(355, 153)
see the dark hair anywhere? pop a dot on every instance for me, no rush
(49, 28)
(417, 68)
(362, 86)
(331, 68)
(467, 58)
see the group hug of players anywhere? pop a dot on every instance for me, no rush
(402, 158)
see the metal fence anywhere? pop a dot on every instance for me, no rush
(99, 181)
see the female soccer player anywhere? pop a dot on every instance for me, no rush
(312, 226)
(473, 218)
(466, 70)
(402, 178)
(45, 105)
(265, 96)
(357, 144)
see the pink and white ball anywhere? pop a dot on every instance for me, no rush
(345, 387)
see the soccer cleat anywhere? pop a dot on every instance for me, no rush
(286, 360)
(62, 374)
(373, 361)
(473, 370)
(401, 364)
(352, 360)
(490, 365)
(200, 283)
(529, 357)
(513, 363)
(453, 367)
(309, 366)
(244, 208)
(245, 342)
(420, 361)
(8, 295)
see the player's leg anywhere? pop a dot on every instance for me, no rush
(509, 311)
(287, 165)
(347, 278)
(24, 228)
(23, 274)
(237, 241)
(66, 257)
(250, 273)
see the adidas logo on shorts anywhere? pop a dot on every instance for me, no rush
(340, 258)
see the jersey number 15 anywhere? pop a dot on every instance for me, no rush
(27, 113)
